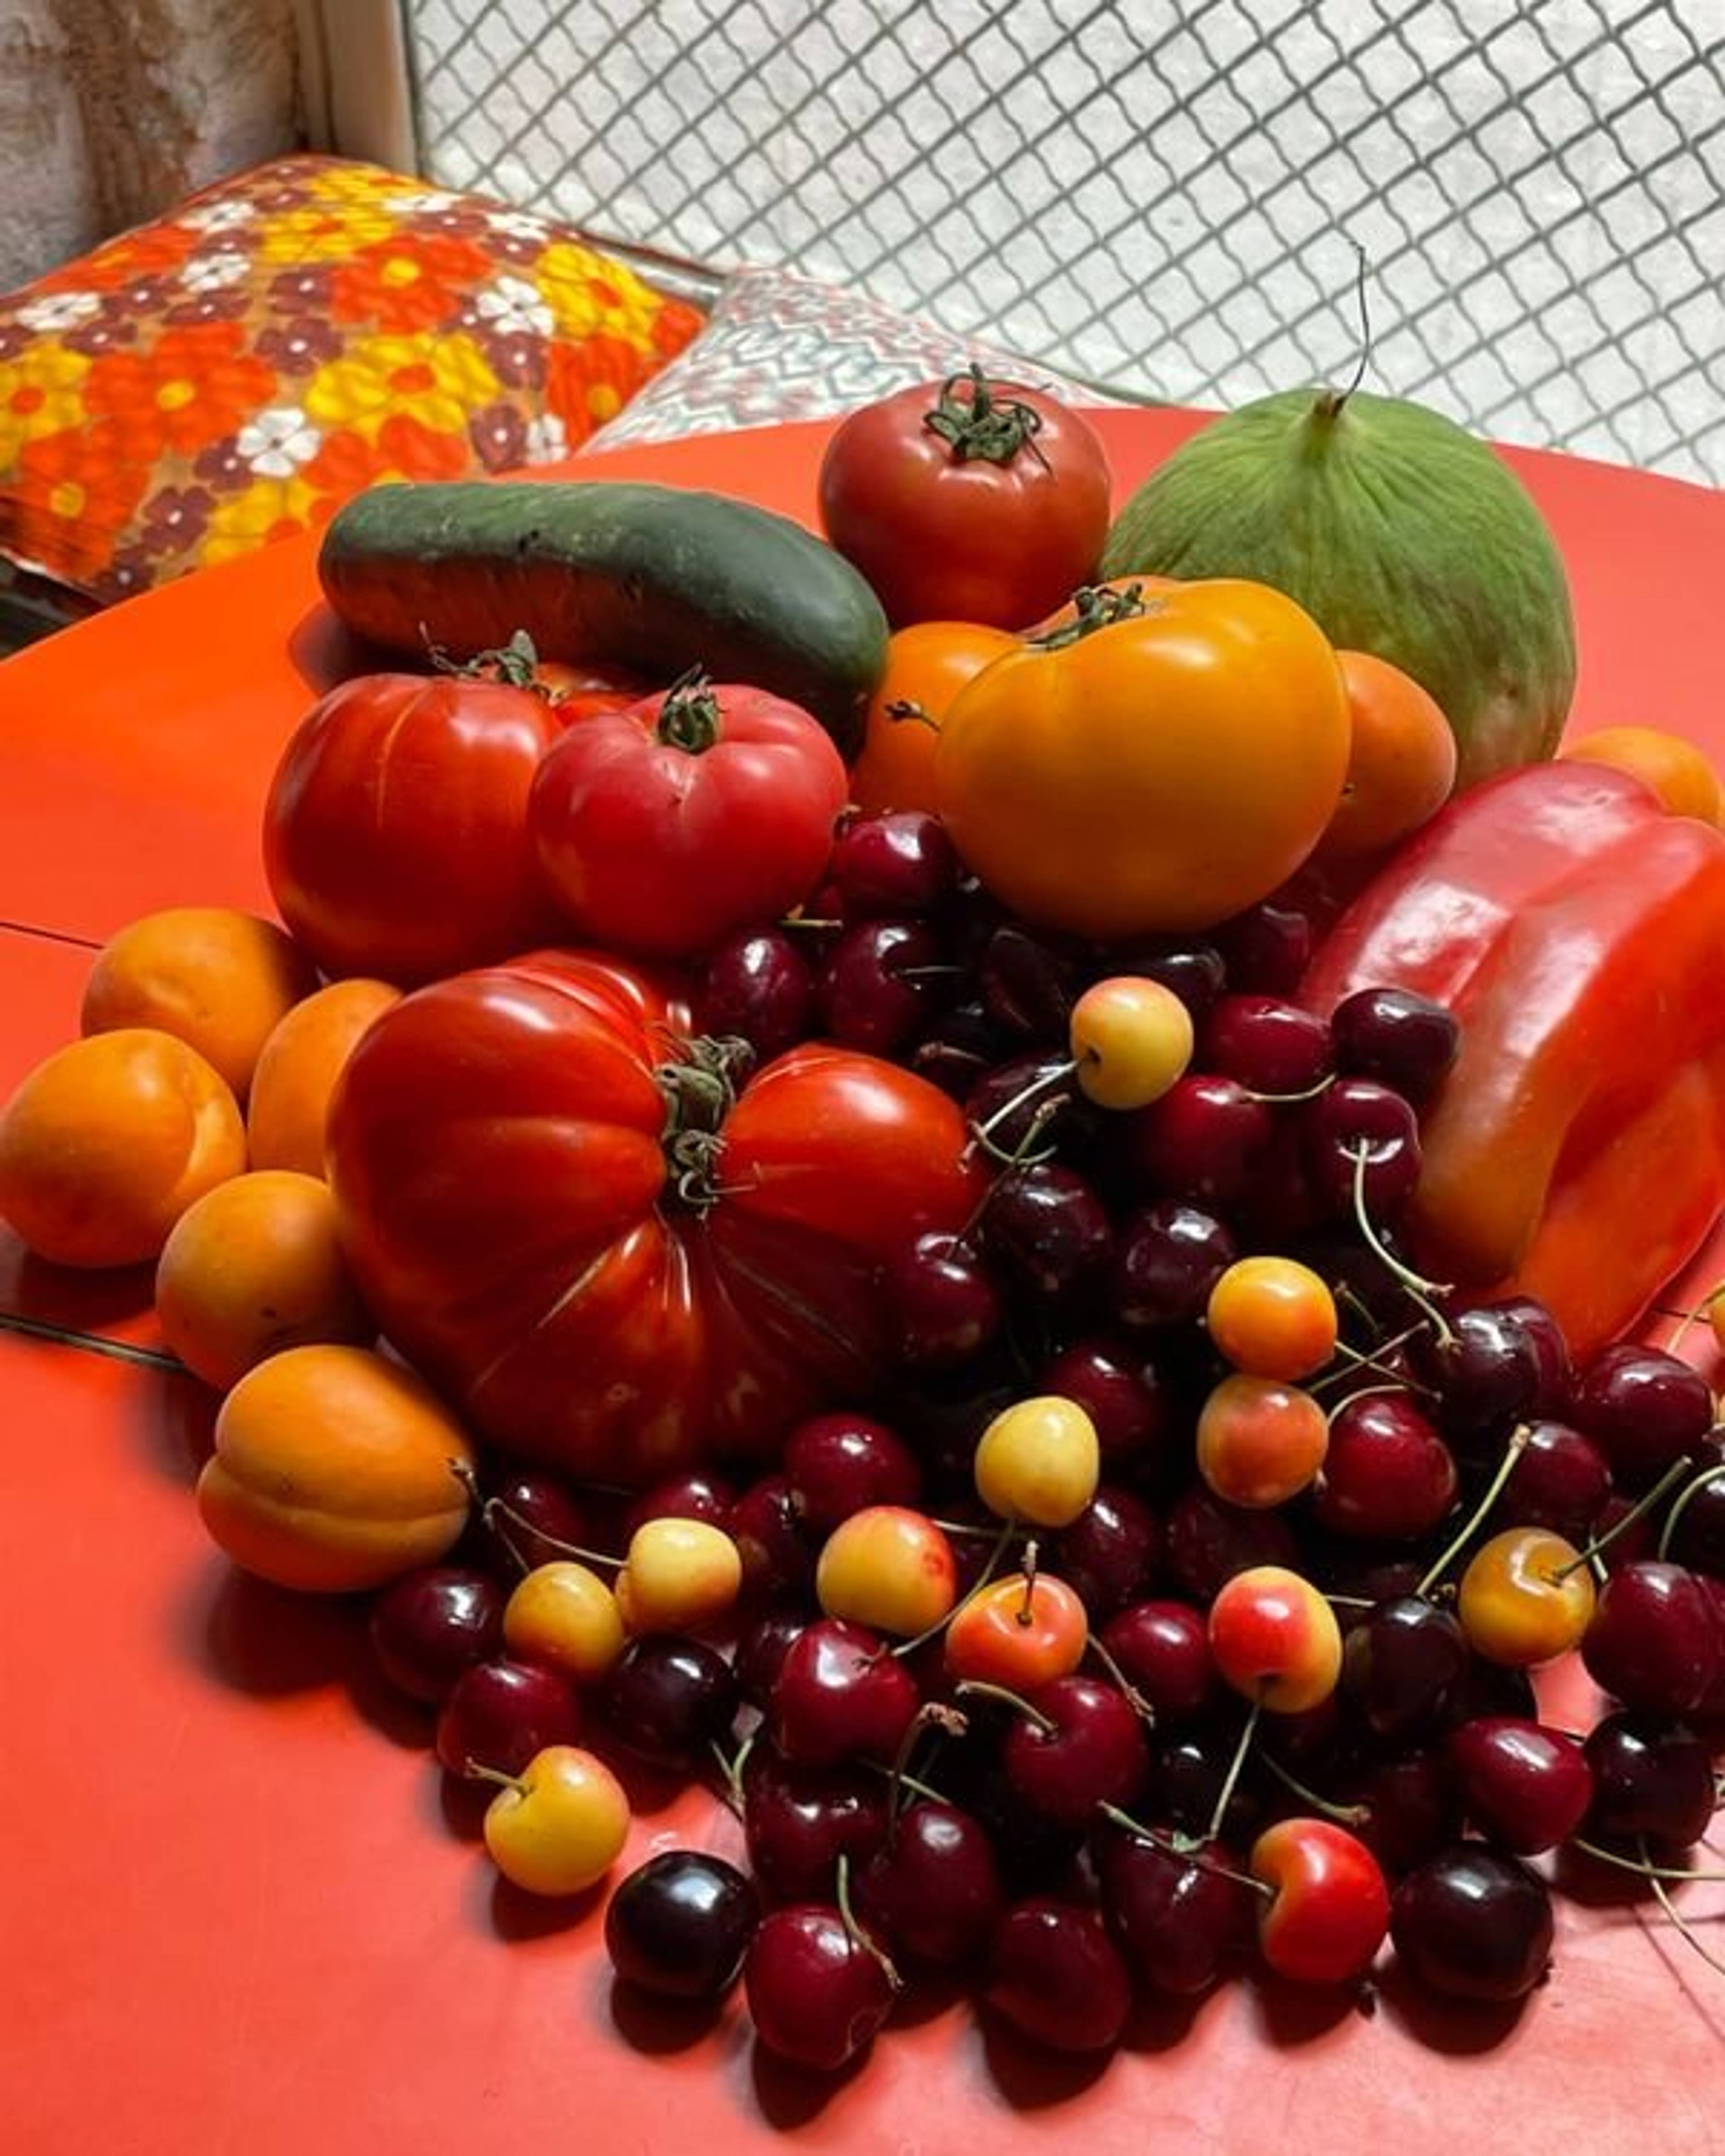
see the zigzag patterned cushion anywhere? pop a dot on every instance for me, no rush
(779, 347)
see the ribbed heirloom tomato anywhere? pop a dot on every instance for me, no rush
(610, 1250)
(1162, 761)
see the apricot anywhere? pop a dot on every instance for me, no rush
(1679, 772)
(335, 1470)
(109, 1139)
(297, 1069)
(253, 1266)
(216, 978)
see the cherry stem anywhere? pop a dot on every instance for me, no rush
(1016, 1158)
(1642, 1504)
(1186, 1847)
(982, 1688)
(492, 1510)
(1656, 1879)
(731, 1767)
(863, 1938)
(1506, 1467)
(1421, 1290)
(1642, 1868)
(931, 1714)
(1326, 1807)
(1236, 1765)
(1128, 1691)
(1689, 1490)
(473, 1771)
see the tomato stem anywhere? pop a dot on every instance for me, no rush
(982, 426)
(689, 719)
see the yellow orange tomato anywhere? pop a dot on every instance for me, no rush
(926, 666)
(1159, 771)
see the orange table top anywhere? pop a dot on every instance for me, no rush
(240, 1911)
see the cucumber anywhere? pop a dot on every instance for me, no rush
(657, 578)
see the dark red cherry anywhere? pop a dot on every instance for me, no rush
(1404, 1040)
(1484, 1369)
(527, 1518)
(841, 1695)
(881, 983)
(1527, 1787)
(695, 1494)
(1359, 1136)
(1267, 947)
(898, 861)
(498, 1713)
(1473, 1922)
(1112, 1552)
(433, 1624)
(1654, 1642)
(944, 1299)
(1167, 1256)
(1054, 1975)
(932, 1891)
(1560, 1481)
(1207, 1540)
(679, 1924)
(817, 1992)
(1029, 981)
(1387, 1475)
(1644, 1407)
(757, 986)
(1178, 1918)
(799, 1821)
(1269, 1044)
(1161, 1649)
(1194, 971)
(840, 1463)
(1652, 1777)
(671, 1700)
(1697, 1513)
(1136, 1415)
(1401, 1663)
(1202, 1141)
(1045, 1229)
(778, 1554)
(1080, 1747)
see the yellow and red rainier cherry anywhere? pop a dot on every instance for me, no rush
(1273, 1317)
(558, 1827)
(678, 1575)
(1260, 1441)
(1131, 1039)
(1039, 1461)
(1327, 1912)
(563, 1616)
(889, 1567)
(1274, 1639)
(1021, 1631)
(1525, 1597)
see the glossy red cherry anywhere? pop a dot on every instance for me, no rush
(1473, 1922)
(1180, 1918)
(1644, 1407)
(841, 1695)
(931, 1890)
(1527, 1787)
(1654, 1641)
(679, 1924)
(433, 1624)
(799, 1821)
(1055, 1976)
(1387, 1475)
(1162, 1648)
(1653, 1778)
(1081, 1746)
(499, 1713)
(817, 1992)
(842, 1463)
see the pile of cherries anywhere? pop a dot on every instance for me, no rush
(1175, 1608)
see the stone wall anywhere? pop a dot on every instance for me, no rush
(112, 110)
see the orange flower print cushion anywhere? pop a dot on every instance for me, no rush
(232, 373)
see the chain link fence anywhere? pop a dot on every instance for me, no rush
(1169, 202)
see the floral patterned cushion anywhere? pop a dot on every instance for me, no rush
(780, 346)
(233, 371)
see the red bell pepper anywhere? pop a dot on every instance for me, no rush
(1576, 929)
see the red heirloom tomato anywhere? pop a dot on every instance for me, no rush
(395, 832)
(612, 1256)
(663, 827)
(968, 499)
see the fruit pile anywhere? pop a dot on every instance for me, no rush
(1034, 1296)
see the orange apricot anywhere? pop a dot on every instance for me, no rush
(109, 1139)
(1680, 773)
(218, 978)
(335, 1470)
(1401, 760)
(253, 1266)
(289, 1104)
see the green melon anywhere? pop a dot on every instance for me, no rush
(1401, 533)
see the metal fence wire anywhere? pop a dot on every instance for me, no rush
(1167, 200)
